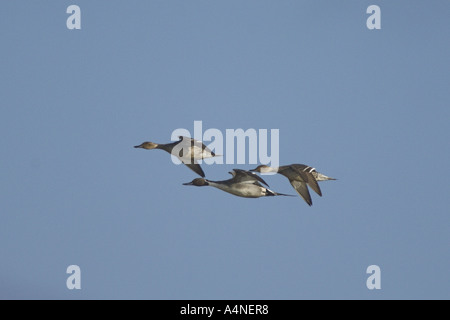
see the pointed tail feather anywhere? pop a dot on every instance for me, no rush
(321, 177)
(273, 193)
(283, 194)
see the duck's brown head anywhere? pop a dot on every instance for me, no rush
(198, 182)
(262, 169)
(147, 145)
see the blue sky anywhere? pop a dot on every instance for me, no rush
(369, 107)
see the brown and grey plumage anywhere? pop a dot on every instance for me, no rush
(243, 184)
(300, 176)
(187, 150)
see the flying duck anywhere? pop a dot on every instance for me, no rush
(243, 184)
(300, 176)
(187, 150)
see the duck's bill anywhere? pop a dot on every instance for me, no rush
(188, 184)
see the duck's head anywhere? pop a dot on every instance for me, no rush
(198, 182)
(263, 169)
(147, 145)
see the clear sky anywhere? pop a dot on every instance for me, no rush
(369, 107)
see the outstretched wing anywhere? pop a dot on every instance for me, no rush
(308, 177)
(246, 176)
(302, 190)
(196, 168)
(195, 149)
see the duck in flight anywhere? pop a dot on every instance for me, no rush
(187, 150)
(243, 184)
(300, 176)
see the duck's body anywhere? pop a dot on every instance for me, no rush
(187, 150)
(243, 184)
(300, 176)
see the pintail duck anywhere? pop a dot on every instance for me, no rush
(243, 184)
(300, 176)
(187, 150)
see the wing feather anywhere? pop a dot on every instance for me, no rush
(302, 190)
(247, 176)
(196, 168)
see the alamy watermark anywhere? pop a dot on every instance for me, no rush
(374, 280)
(236, 146)
(74, 280)
(73, 22)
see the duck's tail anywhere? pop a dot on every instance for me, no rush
(321, 177)
(273, 193)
